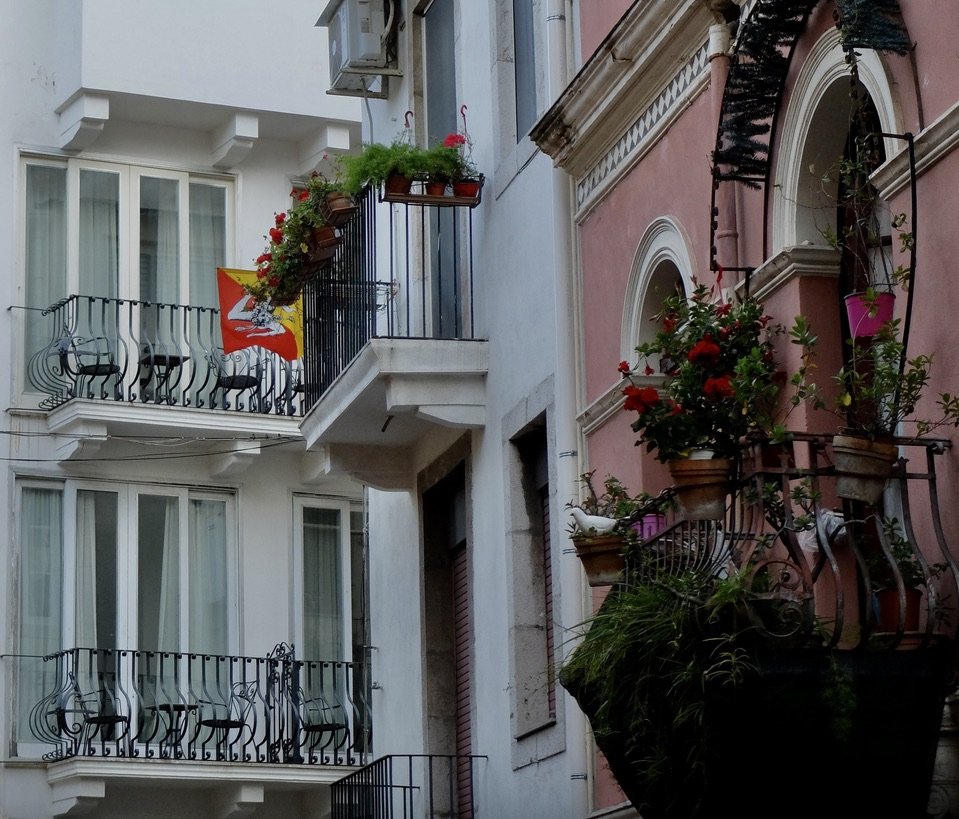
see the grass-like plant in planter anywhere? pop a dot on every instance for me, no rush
(700, 711)
(377, 162)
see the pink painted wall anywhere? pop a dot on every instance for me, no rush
(596, 20)
(673, 180)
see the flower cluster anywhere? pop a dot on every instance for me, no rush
(718, 365)
(462, 155)
(288, 259)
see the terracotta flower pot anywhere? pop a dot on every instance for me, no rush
(467, 187)
(338, 209)
(323, 243)
(435, 187)
(863, 466)
(602, 558)
(887, 616)
(397, 183)
(701, 486)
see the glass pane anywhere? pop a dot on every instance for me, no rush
(41, 593)
(158, 573)
(322, 594)
(46, 249)
(524, 55)
(207, 241)
(99, 233)
(159, 240)
(209, 609)
(97, 543)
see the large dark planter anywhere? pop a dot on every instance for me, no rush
(779, 745)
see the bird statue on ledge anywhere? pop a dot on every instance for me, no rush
(592, 524)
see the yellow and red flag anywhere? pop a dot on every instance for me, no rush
(244, 323)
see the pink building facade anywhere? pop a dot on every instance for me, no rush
(637, 130)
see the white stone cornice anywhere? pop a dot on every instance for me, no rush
(800, 260)
(82, 118)
(934, 142)
(234, 140)
(627, 90)
(329, 141)
(238, 459)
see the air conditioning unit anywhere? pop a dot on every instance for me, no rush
(356, 29)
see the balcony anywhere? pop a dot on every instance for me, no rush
(391, 351)
(144, 705)
(408, 785)
(770, 625)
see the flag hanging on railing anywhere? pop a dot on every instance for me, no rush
(244, 323)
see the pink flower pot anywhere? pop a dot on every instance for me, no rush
(867, 316)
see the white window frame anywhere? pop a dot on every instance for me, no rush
(344, 507)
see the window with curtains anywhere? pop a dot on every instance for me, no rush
(123, 566)
(107, 566)
(324, 582)
(122, 231)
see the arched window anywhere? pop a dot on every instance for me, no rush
(662, 266)
(816, 129)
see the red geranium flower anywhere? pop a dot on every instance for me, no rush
(718, 387)
(640, 399)
(276, 234)
(624, 367)
(705, 351)
(280, 219)
(264, 257)
(454, 140)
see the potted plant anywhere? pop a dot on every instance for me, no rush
(395, 166)
(301, 241)
(605, 524)
(897, 573)
(681, 684)
(880, 388)
(718, 366)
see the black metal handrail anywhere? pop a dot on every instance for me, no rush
(414, 281)
(155, 353)
(401, 786)
(816, 570)
(202, 707)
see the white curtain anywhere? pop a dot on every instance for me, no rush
(41, 595)
(207, 242)
(159, 240)
(209, 609)
(322, 591)
(99, 233)
(158, 573)
(86, 625)
(46, 249)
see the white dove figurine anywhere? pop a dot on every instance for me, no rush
(591, 523)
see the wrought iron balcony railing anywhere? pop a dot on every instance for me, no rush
(825, 568)
(412, 280)
(408, 785)
(153, 353)
(202, 707)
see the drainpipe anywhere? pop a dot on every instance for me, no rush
(727, 230)
(572, 596)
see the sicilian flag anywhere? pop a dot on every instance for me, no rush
(244, 323)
